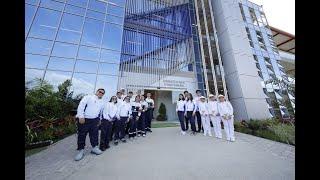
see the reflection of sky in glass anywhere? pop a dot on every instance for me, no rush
(36, 61)
(112, 37)
(86, 66)
(108, 83)
(56, 78)
(112, 69)
(83, 83)
(64, 50)
(38, 46)
(92, 32)
(61, 64)
(29, 12)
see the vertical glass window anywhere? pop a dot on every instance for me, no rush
(83, 83)
(35, 2)
(92, 32)
(45, 24)
(75, 10)
(86, 66)
(110, 56)
(32, 74)
(115, 10)
(111, 69)
(81, 3)
(36, 61)
(88, 53)
(38, 46)
(109, 83)
(29, 13)
(52, 4)
(97, 6)
(112, 37)
(61, 64)
(56, 78)
(64, 50)
(70, 28)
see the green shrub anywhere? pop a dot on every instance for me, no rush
(285, 132)
(47, 112)
(162, 113)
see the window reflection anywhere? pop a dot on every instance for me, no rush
(88, 53)
(115, 10)
(45, 23)
(112, 37)
(92, 32)
(109, 83)
(114, 19)
(86, 66)
(81, 3)
(118, 2)
(52, 4)
(95, 15)
(97, 6)
(83, 83)
(106, 68)
(35, 2)
(36, 61)
(64, 50)
(56, 78)
(61, 64)
(110, 56)
(37, 46)
(74, 10)
(31, 74)
(29, 13)
(70, 28)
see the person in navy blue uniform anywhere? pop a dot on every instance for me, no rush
(180, 109)
(88, 121)
(136, 113)
(185, 93)
(142, 120)
(190, 112)
(108, 117)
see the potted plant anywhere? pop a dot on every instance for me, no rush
(162, 113)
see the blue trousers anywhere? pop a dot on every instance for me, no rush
(141, 123)
(133, 124)
(90, 126)
(192, 120)
(106, 127)
(181, 119)
(120, 130)
(148, 117)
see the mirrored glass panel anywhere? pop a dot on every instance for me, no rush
(38, 46)
(56, 78)
(112, 38)
(109, 83)
(83, 83)
(92, 32)
(36, 61)
(110, 69)
(45, 24)
(86, 66)
(70, 28)
(88, 53)
(64, 50)
(61, 64)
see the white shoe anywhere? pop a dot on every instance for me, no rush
(143, 135)
(139, 135)
(210, 135)
(96, 150)
(183, 132)
(80, 155)
(204, 134)
(232, 139)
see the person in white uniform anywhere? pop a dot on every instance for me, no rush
(191, 112)
(88, 120)
(205, 121)
(226, 113)
(214, 116)
(108, 117)
(149, 112)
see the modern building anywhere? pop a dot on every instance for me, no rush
(159, 46)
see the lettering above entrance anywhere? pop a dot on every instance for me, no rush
(174, 83)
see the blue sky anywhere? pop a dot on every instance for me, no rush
(280, 13)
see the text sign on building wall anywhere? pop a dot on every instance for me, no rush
(174, 83)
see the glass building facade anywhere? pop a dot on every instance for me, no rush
(74, 39)
(274, 80)
(107, 43)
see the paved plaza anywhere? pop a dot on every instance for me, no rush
(167, 155)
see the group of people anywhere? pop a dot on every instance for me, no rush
(124, 114)
(206, 113)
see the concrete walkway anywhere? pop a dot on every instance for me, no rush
(167, 155)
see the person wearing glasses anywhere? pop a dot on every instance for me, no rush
(108, 117)
(88, 120)
(124, 112)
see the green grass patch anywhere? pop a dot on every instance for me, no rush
(164, 124)
(33, 151)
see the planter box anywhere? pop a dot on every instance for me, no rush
(38, 144)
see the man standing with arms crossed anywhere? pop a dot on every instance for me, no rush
(88, 120)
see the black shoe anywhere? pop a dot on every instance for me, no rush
(102, 148)
(107, 146)
(123, 140)
(116, 143)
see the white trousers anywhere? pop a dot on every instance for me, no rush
(216, 121)
(206, 125)
(229, 128)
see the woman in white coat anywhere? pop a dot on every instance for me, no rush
(214, 116)
(226, 113)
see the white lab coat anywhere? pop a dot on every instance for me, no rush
(214, 118)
